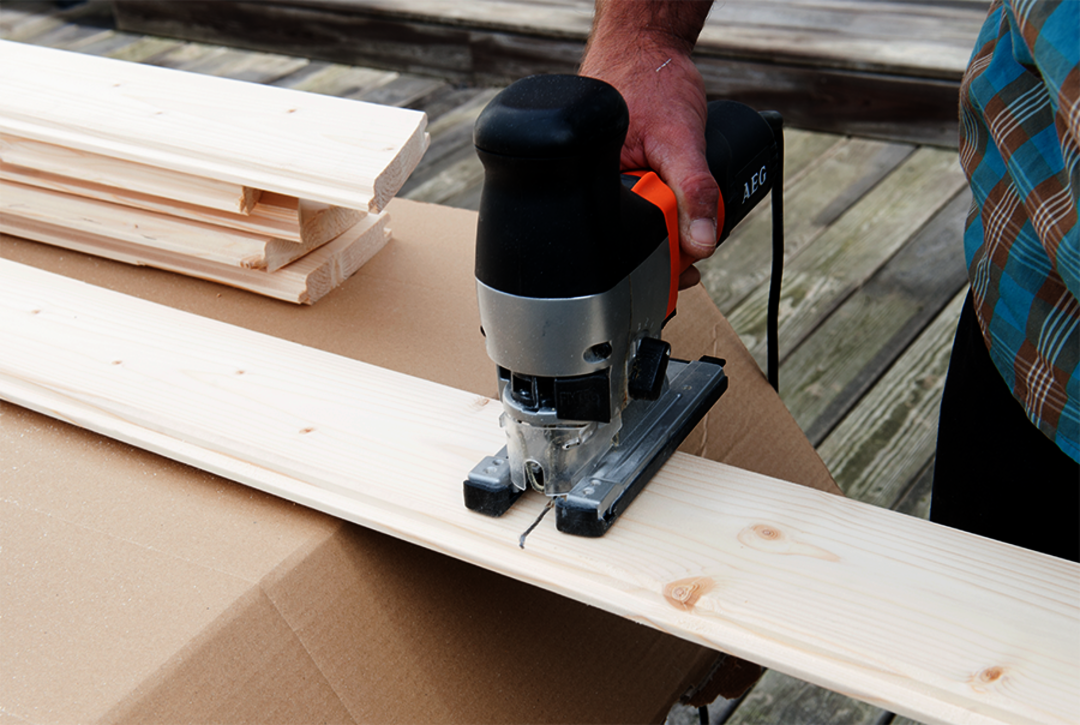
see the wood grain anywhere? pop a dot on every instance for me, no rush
(814, 198)
(818, 280)
(834, 367)
(905, 37)
(930, 622)
(890, 436)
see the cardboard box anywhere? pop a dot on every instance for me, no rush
(136, 589)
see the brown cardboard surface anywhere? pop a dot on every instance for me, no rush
(136, 589)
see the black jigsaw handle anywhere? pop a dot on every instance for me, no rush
(556, 217)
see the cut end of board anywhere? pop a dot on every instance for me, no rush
(397, 171)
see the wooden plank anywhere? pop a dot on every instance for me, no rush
(305, 281)
(882, 446)
(71, 35)
(455, 175)
(334, 79)
(174, 237)
(222, 61)
(888, 439)
(105, 44)
(916, 500)
(405, 91)
(141, 49)
(818, 280)
(903, 37)
(451, 134)
(847, 354)
(308, 222)
(243, 65)
(23, 21)
(936, 623)
(108, 171)
(281, 218)
(450, 172)
(316, 147)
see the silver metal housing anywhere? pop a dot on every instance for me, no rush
(564, 338)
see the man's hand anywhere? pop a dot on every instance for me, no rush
(642, 48)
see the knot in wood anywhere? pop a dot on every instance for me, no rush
(685, 593)
(767, 532)
(988, 679)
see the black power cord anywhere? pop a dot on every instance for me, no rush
(772, 318)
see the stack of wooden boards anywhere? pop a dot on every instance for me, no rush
(272, 190)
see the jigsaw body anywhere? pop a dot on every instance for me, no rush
(577, 266)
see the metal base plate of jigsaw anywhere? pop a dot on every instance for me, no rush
(651, 432)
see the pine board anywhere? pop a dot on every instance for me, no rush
(138, 178)
(140, 229)
(305, 281)
(310, 146)
(933, 623)
(283, 218)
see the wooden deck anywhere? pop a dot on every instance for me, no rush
(884, 68)
(874, 270)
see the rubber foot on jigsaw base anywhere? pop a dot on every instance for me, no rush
(488, 489)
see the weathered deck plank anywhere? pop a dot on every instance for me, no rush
(888, 438)
(836, 178)
(887, 69)
(778, 698)
(842, 258)
(847, 354)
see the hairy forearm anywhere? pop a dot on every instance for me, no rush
(668, 24)
(642, 48)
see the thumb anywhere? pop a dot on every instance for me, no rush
(698, 197)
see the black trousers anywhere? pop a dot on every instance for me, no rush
(996, 474)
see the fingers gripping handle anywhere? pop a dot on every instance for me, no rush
(742, 153)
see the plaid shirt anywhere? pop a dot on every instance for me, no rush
(1020, 125)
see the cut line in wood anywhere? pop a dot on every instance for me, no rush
(932, 623)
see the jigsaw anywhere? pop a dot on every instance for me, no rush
(577, 268)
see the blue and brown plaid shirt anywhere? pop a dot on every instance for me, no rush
(1020, 126)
